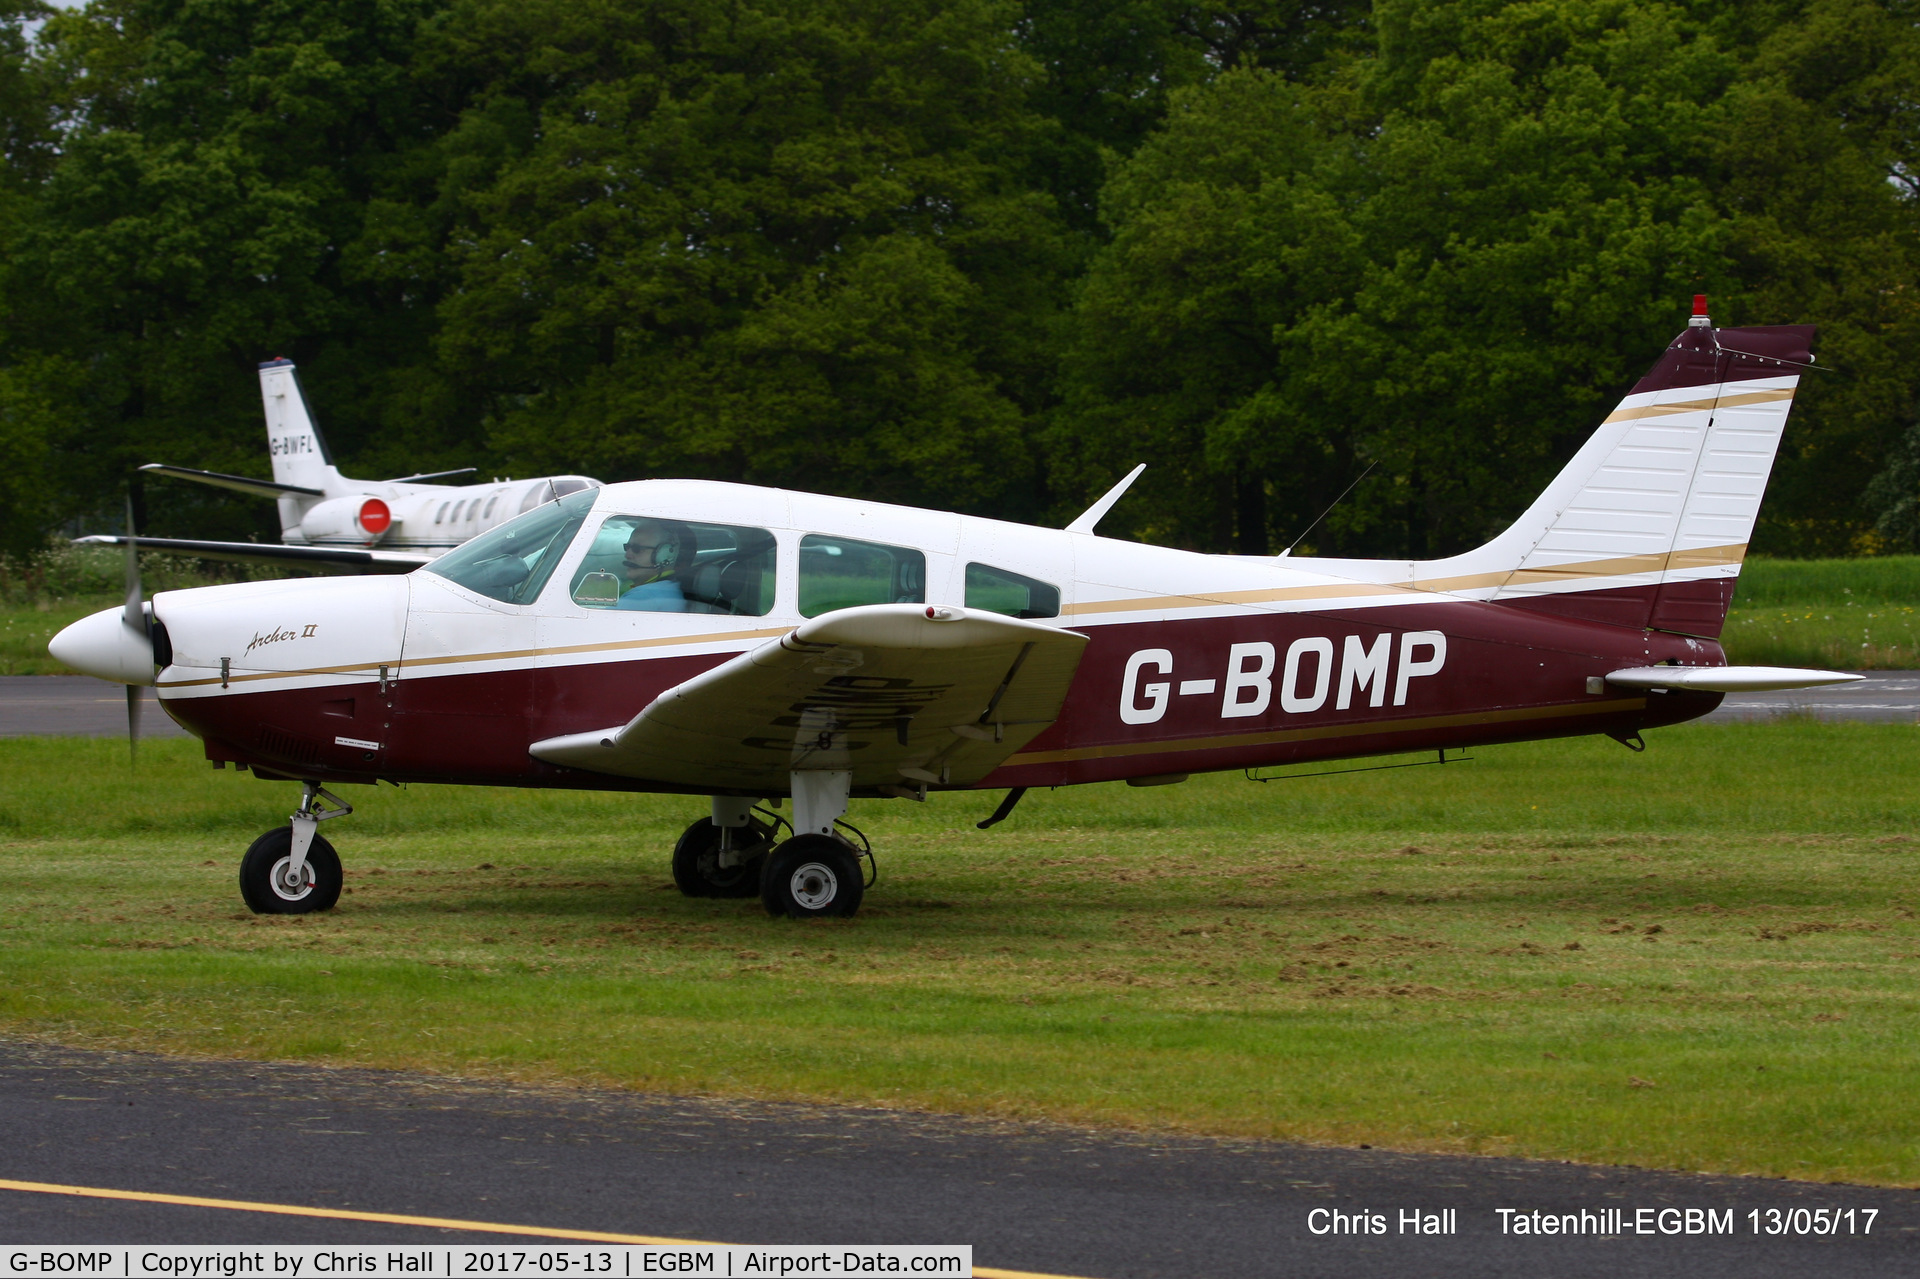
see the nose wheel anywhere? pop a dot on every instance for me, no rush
(273, 885)
(291, 870)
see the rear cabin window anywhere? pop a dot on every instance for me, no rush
(639, 563)
(512, 562)
(997, 590)
(839, 572)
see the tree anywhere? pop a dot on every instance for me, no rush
(1450, 260)
(790, 244)
(216, 162)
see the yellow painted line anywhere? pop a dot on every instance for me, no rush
(341, 1214)
(400, 1219)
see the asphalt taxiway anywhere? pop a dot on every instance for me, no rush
(1043, 1199)
(75, 706)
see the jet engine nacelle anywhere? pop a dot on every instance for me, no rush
(357, 519)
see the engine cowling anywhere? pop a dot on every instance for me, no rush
(359, 519)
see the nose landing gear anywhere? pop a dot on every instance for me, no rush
(292, 870)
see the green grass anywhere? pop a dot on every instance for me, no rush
(1702, 957)
(1850, 615)
(1890, 579)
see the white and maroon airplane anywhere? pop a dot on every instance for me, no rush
(330, 521)
(751, 644)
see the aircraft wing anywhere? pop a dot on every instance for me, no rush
(276, 553)
(898, 694)
(238, 483)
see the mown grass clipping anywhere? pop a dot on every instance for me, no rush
(1703, 957)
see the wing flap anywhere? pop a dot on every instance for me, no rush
(893, 693)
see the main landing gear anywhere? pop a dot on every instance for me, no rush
(292, 870)
(812, 875)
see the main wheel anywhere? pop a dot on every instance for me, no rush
(811, 877)
(264, 882)
(696, 860)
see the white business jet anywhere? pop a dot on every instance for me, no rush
(330, 521)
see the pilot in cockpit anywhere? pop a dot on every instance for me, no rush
(655, 550)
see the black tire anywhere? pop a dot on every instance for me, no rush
(812, 877)
(696, 860)
(271, 851)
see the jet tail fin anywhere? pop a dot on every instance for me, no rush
(301, 459)
(1648, 524)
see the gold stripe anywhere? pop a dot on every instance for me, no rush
(345, 1214)
(398, 1219)
(1141, 604)
(564, 650)
(1700, 557)
(1323, 733)
(1698, 406)
(1620, 566)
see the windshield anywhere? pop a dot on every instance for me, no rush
(511, 563)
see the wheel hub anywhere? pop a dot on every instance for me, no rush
(814, 885)
(286, 885)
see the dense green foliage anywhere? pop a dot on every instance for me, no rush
(971, 253)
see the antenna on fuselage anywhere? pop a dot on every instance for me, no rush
(1329, 511)
(1091, 516)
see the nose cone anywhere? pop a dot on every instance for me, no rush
(103, 645)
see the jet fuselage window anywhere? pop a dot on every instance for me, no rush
(512, 562)
(839, 572)
(441, 518)
(491, 503)
(998, 590)
(641, 563)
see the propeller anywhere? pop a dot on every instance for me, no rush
(135, 619)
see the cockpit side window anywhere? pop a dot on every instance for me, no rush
(999, 590)
(649, 564)
(511, 563)
(839, 572)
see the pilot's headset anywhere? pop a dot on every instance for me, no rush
(676, 542)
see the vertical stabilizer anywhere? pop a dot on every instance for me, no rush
(1648, 524)
(298, 449)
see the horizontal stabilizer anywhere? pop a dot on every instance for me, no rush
(273, 553)
(896, 694)
(238, 483)
(1727, 679)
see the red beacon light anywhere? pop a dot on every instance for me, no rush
(375, 517)
(1699, 320)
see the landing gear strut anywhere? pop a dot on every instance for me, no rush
(291, 870)
(723, 856)
(816, 874)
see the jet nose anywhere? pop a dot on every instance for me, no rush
(104, 646)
